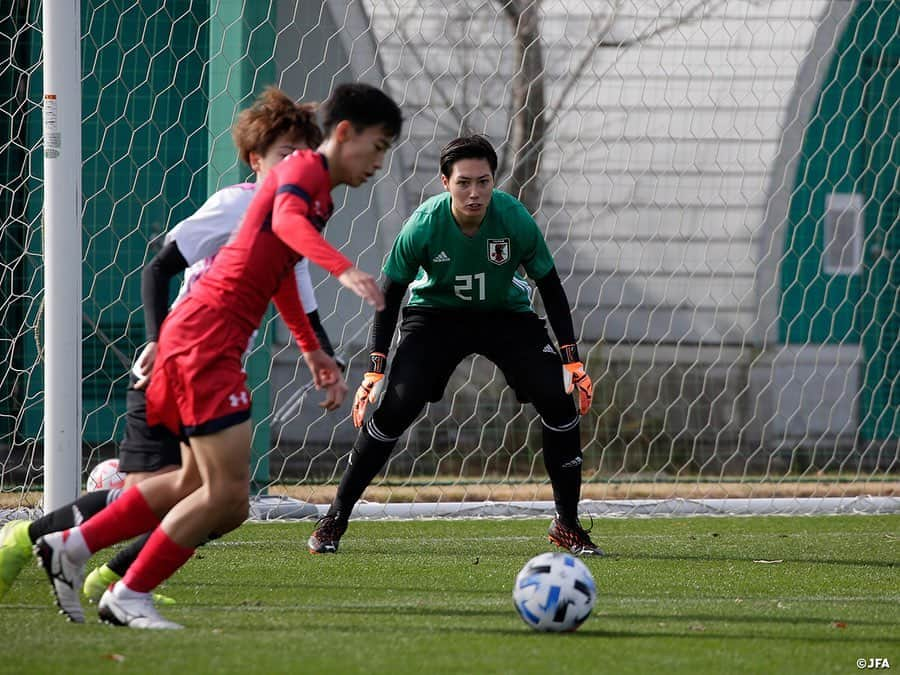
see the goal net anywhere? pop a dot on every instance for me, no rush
(717, 182)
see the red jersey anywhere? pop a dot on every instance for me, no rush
(282, 224)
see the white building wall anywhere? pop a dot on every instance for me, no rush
(667, 171)
(657, 163)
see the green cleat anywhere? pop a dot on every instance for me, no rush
(160, 599)
(15, 552)
(96, 583)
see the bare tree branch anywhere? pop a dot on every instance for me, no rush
(602, 33)
(527, 126)
(696, 13)
(692, 16)
(440, 94)
(528, 115)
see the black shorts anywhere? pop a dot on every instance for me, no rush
(434, 342)
(144, 448)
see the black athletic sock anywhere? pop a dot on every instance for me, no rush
(562, 458)
(122, 560)
(69, 515)
(366, 460)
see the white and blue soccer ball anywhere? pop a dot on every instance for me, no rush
(554, 592)
(106, 476)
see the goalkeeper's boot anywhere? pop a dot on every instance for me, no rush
(15, 552)
(327, 535)
(64, 574)
(96, 583)
(121, 606)
(573, 538)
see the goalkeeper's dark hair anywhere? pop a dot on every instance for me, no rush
(362, 105)
(467, 147)
(272, 115)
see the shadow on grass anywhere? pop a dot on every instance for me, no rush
(587, 632)
(616, 557)
(686, 618)
(730, 618)
(502, 613)
(590, 630)
(377, 589)
(447, 617)
(466, 556)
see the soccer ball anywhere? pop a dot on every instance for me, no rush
(554, 592)
(106, 476)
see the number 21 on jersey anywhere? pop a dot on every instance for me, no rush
(467, 285)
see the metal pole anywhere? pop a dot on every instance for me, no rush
(62, 251)
(241, 49)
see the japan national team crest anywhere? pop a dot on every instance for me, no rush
(498, 251)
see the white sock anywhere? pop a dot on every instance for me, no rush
(75, 547)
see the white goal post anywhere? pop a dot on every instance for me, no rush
(716, 181)
(61, 140)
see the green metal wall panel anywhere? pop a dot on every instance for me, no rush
(16, 42)
(879, 311)
(144, 149)
(846, 150)
(242, 64)
(816, 307)
(161, 86)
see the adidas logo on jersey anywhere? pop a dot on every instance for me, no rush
(548, 349)
(441, 257)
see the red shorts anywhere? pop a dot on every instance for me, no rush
(198, 385)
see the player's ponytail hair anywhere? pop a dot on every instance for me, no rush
(467, 147)
(274, 114)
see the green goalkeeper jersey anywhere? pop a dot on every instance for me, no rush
(448, 270)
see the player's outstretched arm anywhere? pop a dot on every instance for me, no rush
(370, 389)
(327, 375)
(363, 284)
(291, 225)
(560, 317)
(311, 305)
(290, 306)
(335, 395)
(575, 378)
(382, 333)
(143, 365)
(324, 369)
(155, 278)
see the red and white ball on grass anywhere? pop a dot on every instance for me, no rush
(106, 476)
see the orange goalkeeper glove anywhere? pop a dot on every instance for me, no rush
(370, 389)
(575, 378)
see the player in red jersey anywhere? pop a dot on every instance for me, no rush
(197, 387)
(264, 134)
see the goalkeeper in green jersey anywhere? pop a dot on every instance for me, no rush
(459, 255)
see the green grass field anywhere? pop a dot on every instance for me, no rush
(675, 596)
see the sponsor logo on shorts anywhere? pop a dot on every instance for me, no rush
(239, 399)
